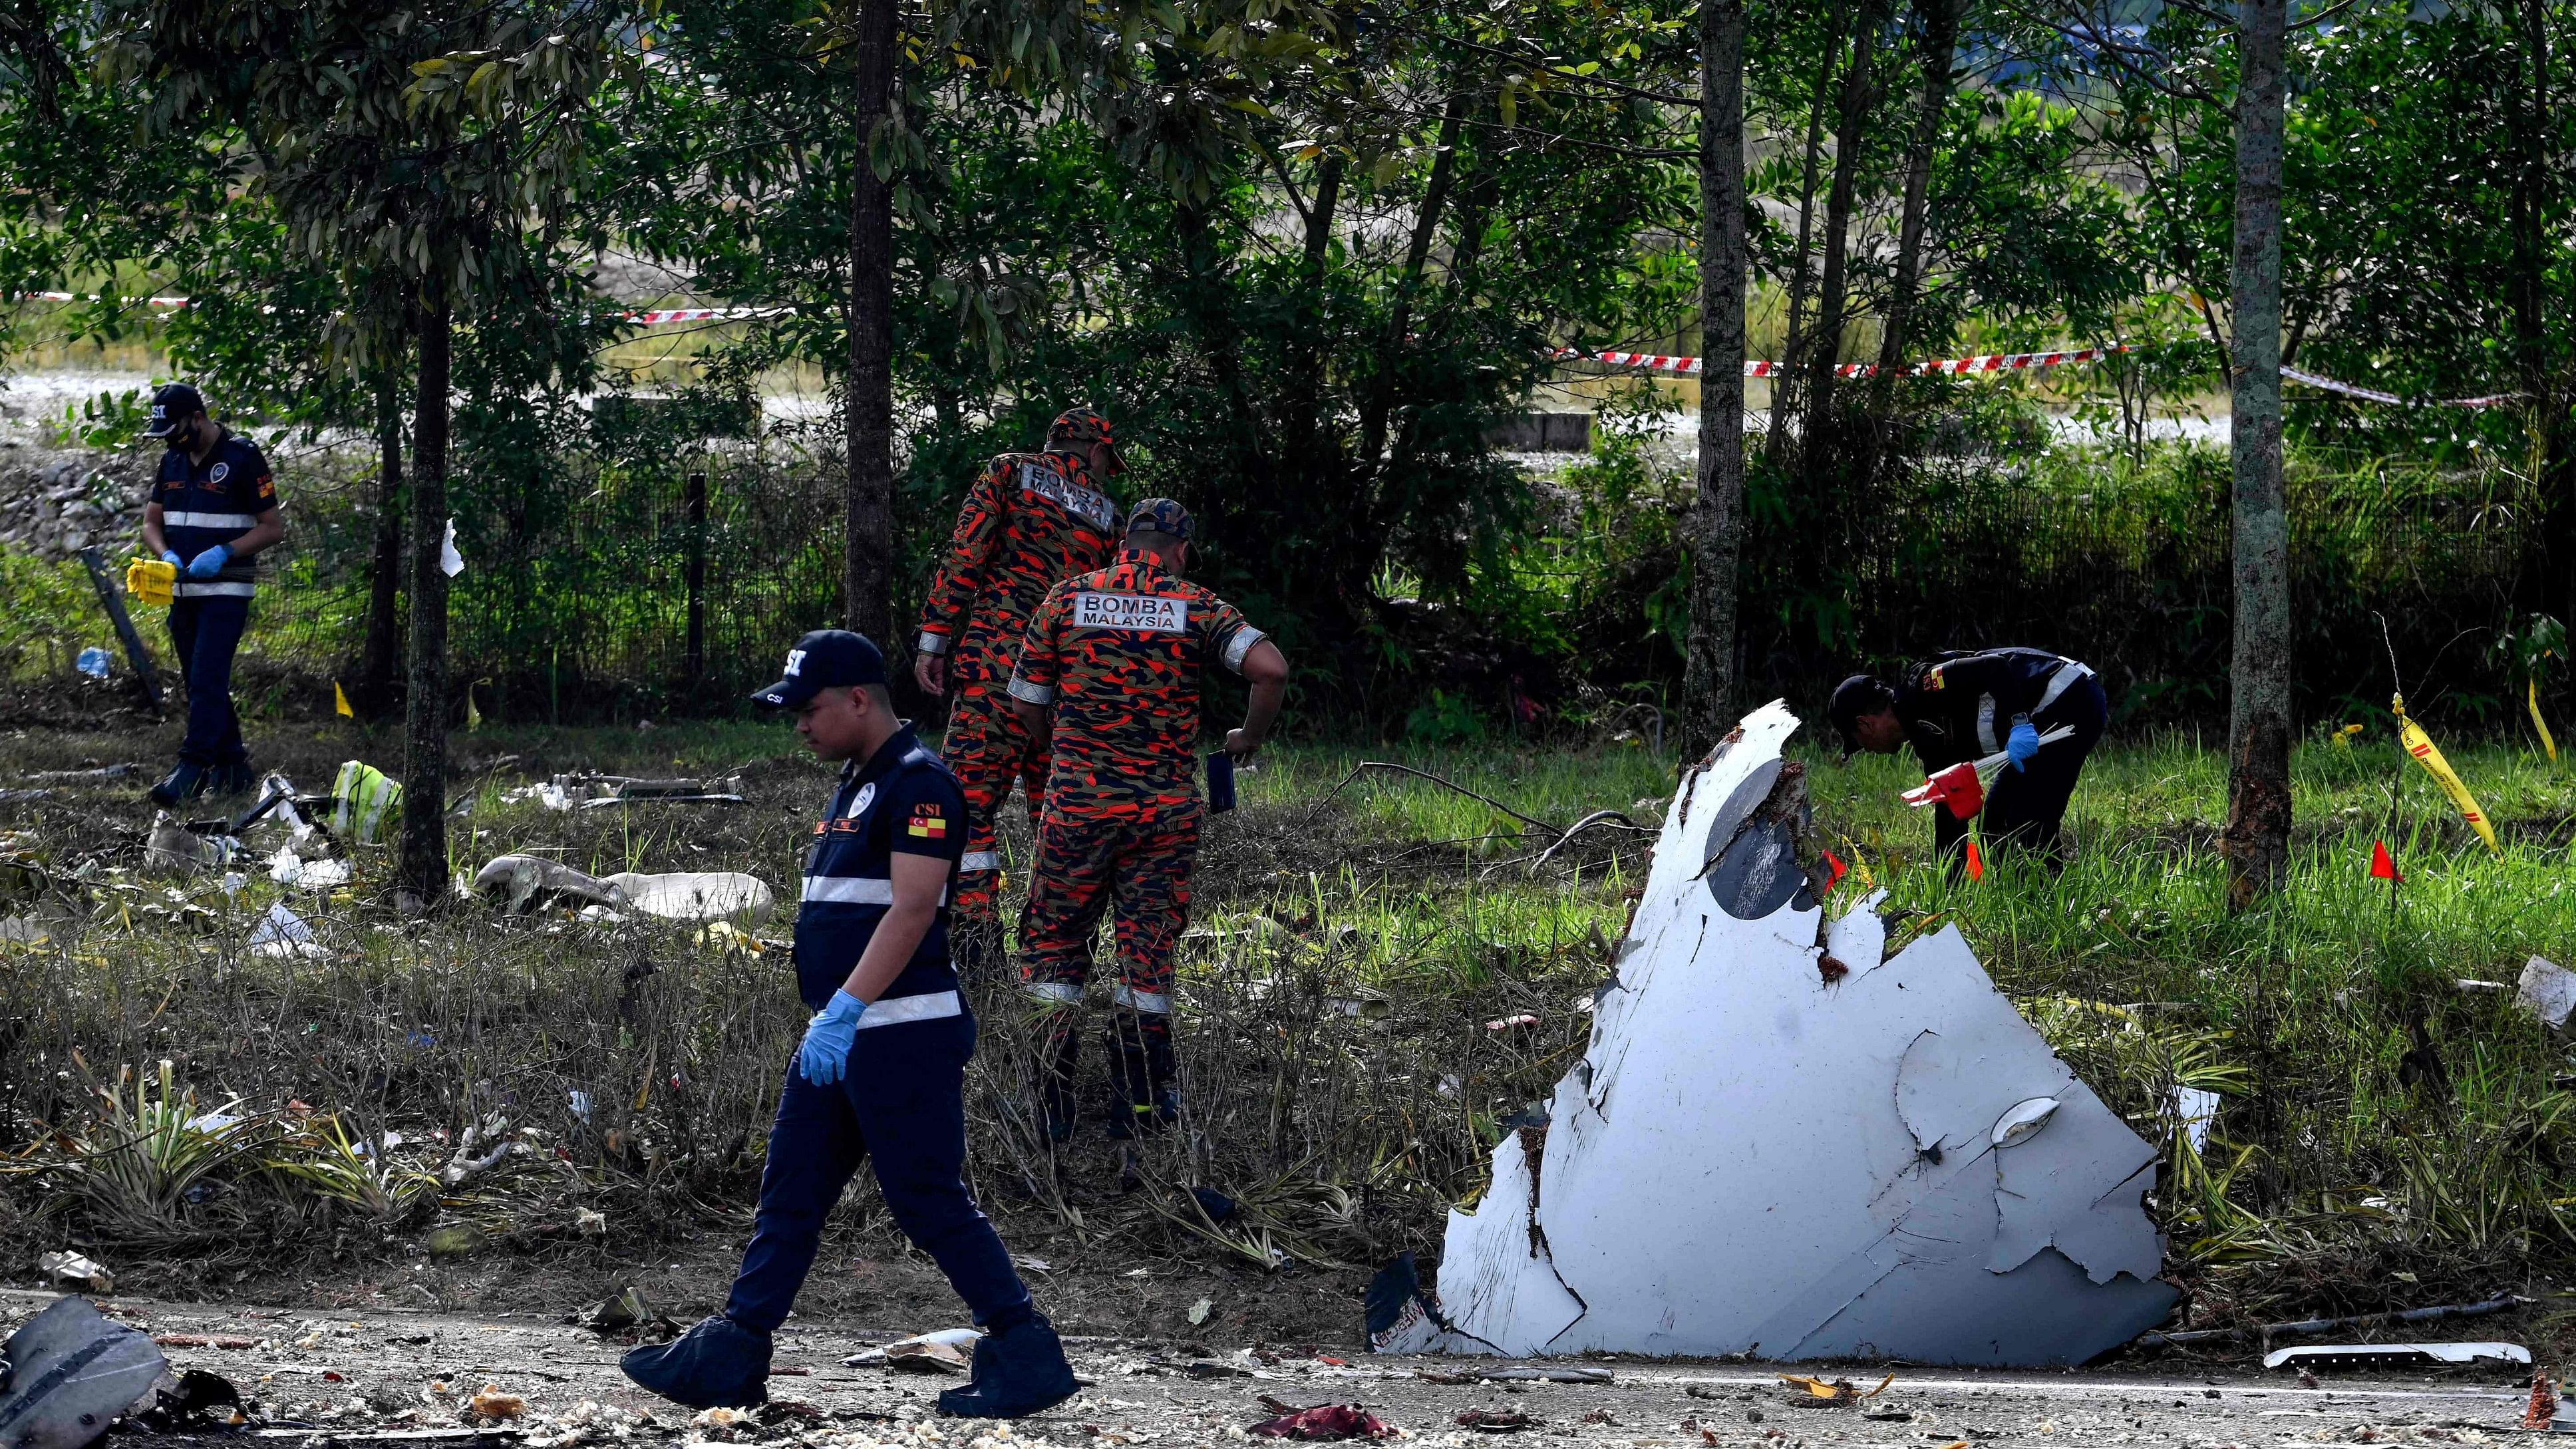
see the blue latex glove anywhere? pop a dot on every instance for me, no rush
(171, 557)
(825, 1056)
(2023, 744)
(208, 564)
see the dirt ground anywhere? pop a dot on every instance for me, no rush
(370, 1369)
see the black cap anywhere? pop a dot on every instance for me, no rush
(173, 403)
(824, 659)
(1859, 695)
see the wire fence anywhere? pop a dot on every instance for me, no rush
(618, 589)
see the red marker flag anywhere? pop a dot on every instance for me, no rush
(1834, 864)
(1976, 862)
(2382, 865)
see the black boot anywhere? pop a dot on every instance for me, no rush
(1143, 1097)
(184, 783)
(1017, 1372)
(718, 1364)
(231, 779)
(1063, 1051)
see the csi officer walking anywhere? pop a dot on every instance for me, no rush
(881, 1072)
(1963, 706)
(213, 508)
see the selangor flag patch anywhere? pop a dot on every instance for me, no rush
(928, 823)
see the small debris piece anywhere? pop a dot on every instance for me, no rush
(192, 1401)
(2544, 1401)
(948, 1351)
(2547, 991)
(1496, 1421)
(71, 1270)
(1199, 1311)
(626, 1311)
(2384, 1354)
(1324, 1423)
(204, 1340)
(1208, 1368)
(494, 1404)
(1818, 1392)
(70, 1374)
(1522, 1373)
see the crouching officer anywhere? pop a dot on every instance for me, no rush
(213, 507)
(881, 1072)
(1964, 706)
(1109, 676)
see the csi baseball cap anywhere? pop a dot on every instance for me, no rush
(1160, 515)
(173, 403)
(1859, 695)
(824, 659)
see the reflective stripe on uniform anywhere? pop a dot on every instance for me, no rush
(928, 1006)
(2067, 673)
(208, 520)
(218, 590)
(1067, 993)
(930, 643)
(1243, 641)
(979, 860)
(1158, 1003)
(853, 890)
(1028, 693)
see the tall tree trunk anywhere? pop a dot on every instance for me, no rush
(382, 654)
(867, 570)
(422, 877)
(1304, 429)
(1709, 685)
(1940, 47)
(1417, 257)
(1784, 378)
(1211, 315)
(1815, 425)
(2551, 465)
(1940, 41)
(2257, 839)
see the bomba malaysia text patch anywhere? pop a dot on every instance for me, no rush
(1141, 612)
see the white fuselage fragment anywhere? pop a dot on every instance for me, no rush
(1754, 1158)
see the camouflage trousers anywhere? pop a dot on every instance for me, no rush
(1136, 869)
(990, 751)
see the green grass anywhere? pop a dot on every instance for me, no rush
(2376, 1119)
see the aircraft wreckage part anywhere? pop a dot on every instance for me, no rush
(1758, 1154)
(68, 1374)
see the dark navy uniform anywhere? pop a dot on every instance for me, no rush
(204, 504)
(1962, 706)
(902, 1101)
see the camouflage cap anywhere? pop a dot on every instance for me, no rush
(1084, 425)
(1160, 515)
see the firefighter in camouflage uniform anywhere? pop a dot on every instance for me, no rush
(1030, 520)
(1110, 674)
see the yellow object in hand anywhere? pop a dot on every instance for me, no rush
(151, 580)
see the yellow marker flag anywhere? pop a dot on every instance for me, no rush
(473, 716)
(2421, 746)
(340, 701)
(2532, 698)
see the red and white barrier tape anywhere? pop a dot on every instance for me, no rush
(1949, 366)
(2372, 394)
(2003, 362)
